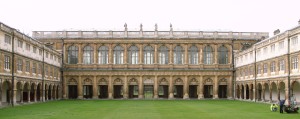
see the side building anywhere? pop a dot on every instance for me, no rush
(147, 64)
(29, 71)
(269, 70)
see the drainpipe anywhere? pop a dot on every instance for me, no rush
(43, 75)
(289, 67)
(233, 71)
(255, 74)
(62, 68)
(12, 68)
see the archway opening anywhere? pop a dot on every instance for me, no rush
(72, 91)
(259, 92)
(38, 92)
(281, 91)
(163, 91)
(208, 91)
(178, 91)
(296, 91)
(103, 91)
(247, 92)
(6, 92)
(274, 92)
(267, 92)
(193, 91)
(148, 91)
(118, 91)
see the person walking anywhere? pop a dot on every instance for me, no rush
(281, 104)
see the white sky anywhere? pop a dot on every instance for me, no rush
(207, 15)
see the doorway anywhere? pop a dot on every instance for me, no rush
(72, 92)
(148, 91)
(87, 91)
(208, 91)
(163, 91)
(103, 91)
(193, 91)
(222, 91)
(133, 91)
(118, 91)
(178, 91)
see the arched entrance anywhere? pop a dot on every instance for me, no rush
(238, 93)
(267, 92)
(281, 91)
(274, 95)
(193, 88)
(26, 92)
(32, 93)
(247, 92)
(295, 91)
(148, 88)
(133, 88)
(50, 92)
(6, 90)
(163, 89)
(259, 92)
(87, 88)
(118, 88)
(19, 93)
(39, 92)
(208, 88)
(72, 89)
(243, 92)
(222, 92)
(103, 88)
(178, 88)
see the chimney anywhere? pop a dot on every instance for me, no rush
(276, 32)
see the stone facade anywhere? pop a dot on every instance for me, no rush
(148, 80)
(268, 71)
(30, 72)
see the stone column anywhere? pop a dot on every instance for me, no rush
(155, 54)
(270, 88)
(125, 88)
(79, 86)
(15, 93)
(171, 54)
(245, 92)
(141, 53)
(171, 88)
(125, 55)
(95, 88)
(110, 54)
(229, 88)
(186, 59)
(65, 88)
(186, 88)
(254, 92)
(34, 95)
(216, 88)
(46, 94)
(80, 54)
(141, 88)
(263, 93)
(241, 93)
(216, 54)
(200, 54)
(200, 88)
(21, 96)
(278, 92)
(110, 88)
(95, 54)
(28, 96)
(155, 87)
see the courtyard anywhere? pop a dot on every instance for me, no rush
(143, 109)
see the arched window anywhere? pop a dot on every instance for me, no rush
(133, 55)
(103, 55)
(208, 55)
(118, 55)
(223, 55)
(73, 54)
(163, 55)
(193, 55)
(148, 55)
(88, 55)
(178, 55)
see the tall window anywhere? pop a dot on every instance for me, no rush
(40, 68)
(281, 45)
(148, 55)
(208, 55)
(20, 44)
(281, 65)
(223, 55)
(118, 55)
(133, 55)
(250, 70)
(73, 55)
(20, 65)
(265, 68)
(27, 47)
(33, 67)
(178, 55)
(6, 62)
(34, 50)
(273, 66)
(163, 55)
(294, 41)
(46, 70)
(258, 69)
(88, 55)
(103, 55)
(7, 39)
(40, 52)
(51, 71)
(193, 55)
(27, 66)
(295, 62)
(273, 48)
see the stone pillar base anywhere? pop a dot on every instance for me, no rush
(95, 97)
(141, 96)
(110, 96)
(171, 96)
(216, 97)
(200, 96)
(64, 96)
(125, 96)
(155, 97)
(80, 97)
(186, 96)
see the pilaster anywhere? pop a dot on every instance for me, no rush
(216, 87)
(141, 88)
(95, 88)
(200, 88)
(155, 87)
(79, 86)
(171, 88)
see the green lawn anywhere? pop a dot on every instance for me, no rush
(144, 109)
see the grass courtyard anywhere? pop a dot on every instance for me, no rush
(144, 109)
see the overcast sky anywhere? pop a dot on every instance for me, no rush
(205, 15)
